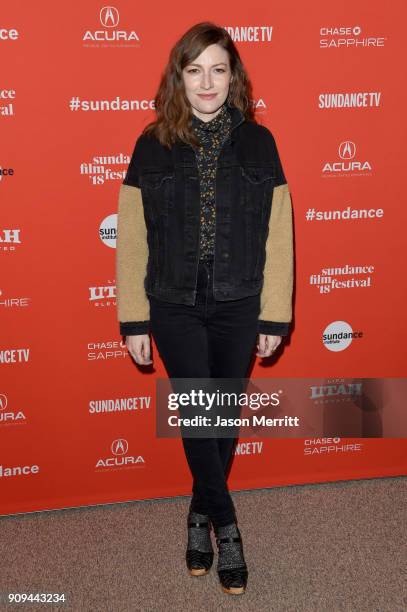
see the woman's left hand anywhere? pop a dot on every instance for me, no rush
(266, 345)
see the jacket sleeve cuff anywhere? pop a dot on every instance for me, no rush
(273, 328)
(134, 328)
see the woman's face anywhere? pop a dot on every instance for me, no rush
(206, 81)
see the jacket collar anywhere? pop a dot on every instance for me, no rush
(237, 117)
(214, 124)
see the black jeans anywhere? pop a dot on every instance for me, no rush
(211, 339)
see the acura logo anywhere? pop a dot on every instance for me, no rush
(120, 446)
(347, 150)
(109, 17)
(3, 401)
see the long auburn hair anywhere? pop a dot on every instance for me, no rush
(173, 109)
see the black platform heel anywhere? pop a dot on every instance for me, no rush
(199, 554)
(232, 569)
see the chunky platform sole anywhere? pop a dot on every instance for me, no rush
(233, 581)
(198, 562)
(234, 590)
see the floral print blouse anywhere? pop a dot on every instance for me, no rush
(211, 134)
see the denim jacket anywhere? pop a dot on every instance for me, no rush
(157, 242)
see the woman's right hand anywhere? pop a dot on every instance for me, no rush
(139, 348)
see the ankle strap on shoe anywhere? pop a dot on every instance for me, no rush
(229, 539)
(198, 524)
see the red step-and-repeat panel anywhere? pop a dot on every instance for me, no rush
(77, 85)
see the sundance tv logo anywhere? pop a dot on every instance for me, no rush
(109, 33)
(351, 99)
(141, 403)
(14, 355)
(250, 34)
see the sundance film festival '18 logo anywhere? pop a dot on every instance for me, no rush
(109, 31)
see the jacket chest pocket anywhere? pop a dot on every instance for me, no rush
(157, 187)
(257, 184)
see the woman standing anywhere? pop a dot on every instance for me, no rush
(205, 257)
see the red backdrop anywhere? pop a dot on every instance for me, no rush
(76, 87)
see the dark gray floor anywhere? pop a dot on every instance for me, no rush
(320, 547)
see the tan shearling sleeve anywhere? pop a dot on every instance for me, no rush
(276, 295)
(133, 308)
